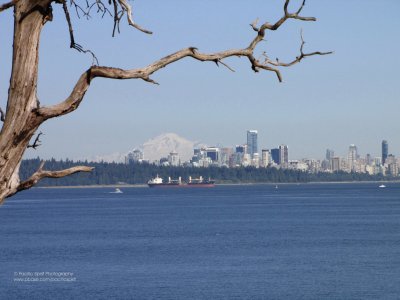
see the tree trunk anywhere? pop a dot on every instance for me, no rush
(21, 121)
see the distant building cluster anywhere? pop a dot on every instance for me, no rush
(386, 164)
(135, 156)
(244, 155)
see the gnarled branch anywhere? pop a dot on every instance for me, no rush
(40, 174)
(77, 94)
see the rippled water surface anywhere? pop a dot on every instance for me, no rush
(326, 241)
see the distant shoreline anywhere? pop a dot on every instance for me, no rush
(218, 184)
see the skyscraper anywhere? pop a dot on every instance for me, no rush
(265, 157)
(385, 151)
(252, 142)
(352, 157)
(283, 154)
(213, 153)
(225, 155)
(329, 154)
(241, 149)
(275, 155)
(173, 159)
(335, 164)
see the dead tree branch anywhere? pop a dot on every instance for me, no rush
(68, 18)
(37, 142)
(119, 8)
(7, 5)
(101, 8)
(77, 94)
(117, 18)
(302, 55)
(74, 45)
(128, 8)
(2, 115)
(40, 174)
(79, 8)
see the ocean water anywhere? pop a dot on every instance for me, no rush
(308, 241)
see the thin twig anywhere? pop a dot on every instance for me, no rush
(37, 142)
(74, 45)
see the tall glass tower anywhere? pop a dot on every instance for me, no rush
(385, 151)
(352, 157)
(275, 156)
(329, 154)
(252, 142)
(283, 154)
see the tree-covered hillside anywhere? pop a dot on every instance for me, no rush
(117, 173)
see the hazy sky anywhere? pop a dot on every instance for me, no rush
(350, 97)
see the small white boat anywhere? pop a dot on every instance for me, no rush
(382, 186)
(276, 186)
(117, 191)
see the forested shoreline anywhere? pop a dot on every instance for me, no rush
(135, 173)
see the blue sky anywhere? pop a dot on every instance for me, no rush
(350, 97)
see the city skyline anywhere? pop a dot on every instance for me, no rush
(246, 155)
(324, 102)
(249, 139)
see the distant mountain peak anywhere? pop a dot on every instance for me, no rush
(156, 148)
(163, 144)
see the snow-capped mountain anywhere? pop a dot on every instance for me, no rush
(155, 148)
(163, 144)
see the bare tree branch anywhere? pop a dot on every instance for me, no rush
(40, 174)
(2, 115)
(302, 55)
(101, 8)
(76, 96)
(116, 13)
(128, 8)
(74, 45)
(37, 142)
(79, 8)
(116, 17)
(219, 61)
(68, 18)
(7, 5)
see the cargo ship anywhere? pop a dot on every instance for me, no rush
(200, 182)
(193, 182)
(158, 182)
